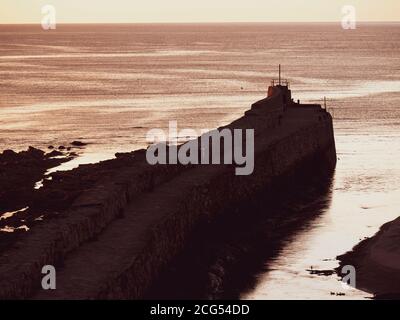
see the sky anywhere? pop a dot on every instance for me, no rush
(138, 11)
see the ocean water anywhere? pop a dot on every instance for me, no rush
(108, 85)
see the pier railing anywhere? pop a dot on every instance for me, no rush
(280, 82)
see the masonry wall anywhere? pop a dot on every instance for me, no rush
(313, 144)
(50, 243)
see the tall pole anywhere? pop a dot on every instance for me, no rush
(279, 74)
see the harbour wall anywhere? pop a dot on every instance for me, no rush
(283, 140)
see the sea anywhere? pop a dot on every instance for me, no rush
(108, 85)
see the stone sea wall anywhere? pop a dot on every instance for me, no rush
(51, 242)
(209, 199)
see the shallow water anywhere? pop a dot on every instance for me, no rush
(108, 85)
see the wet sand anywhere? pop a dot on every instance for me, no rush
(377, 262)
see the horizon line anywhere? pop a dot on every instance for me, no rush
(204, 22)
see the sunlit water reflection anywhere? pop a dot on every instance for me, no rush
(109, 90)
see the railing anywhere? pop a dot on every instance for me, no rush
(281, 82)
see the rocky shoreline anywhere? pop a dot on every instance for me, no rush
(21, 200)
(20, 171)
(30, 207)
(377, 262)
